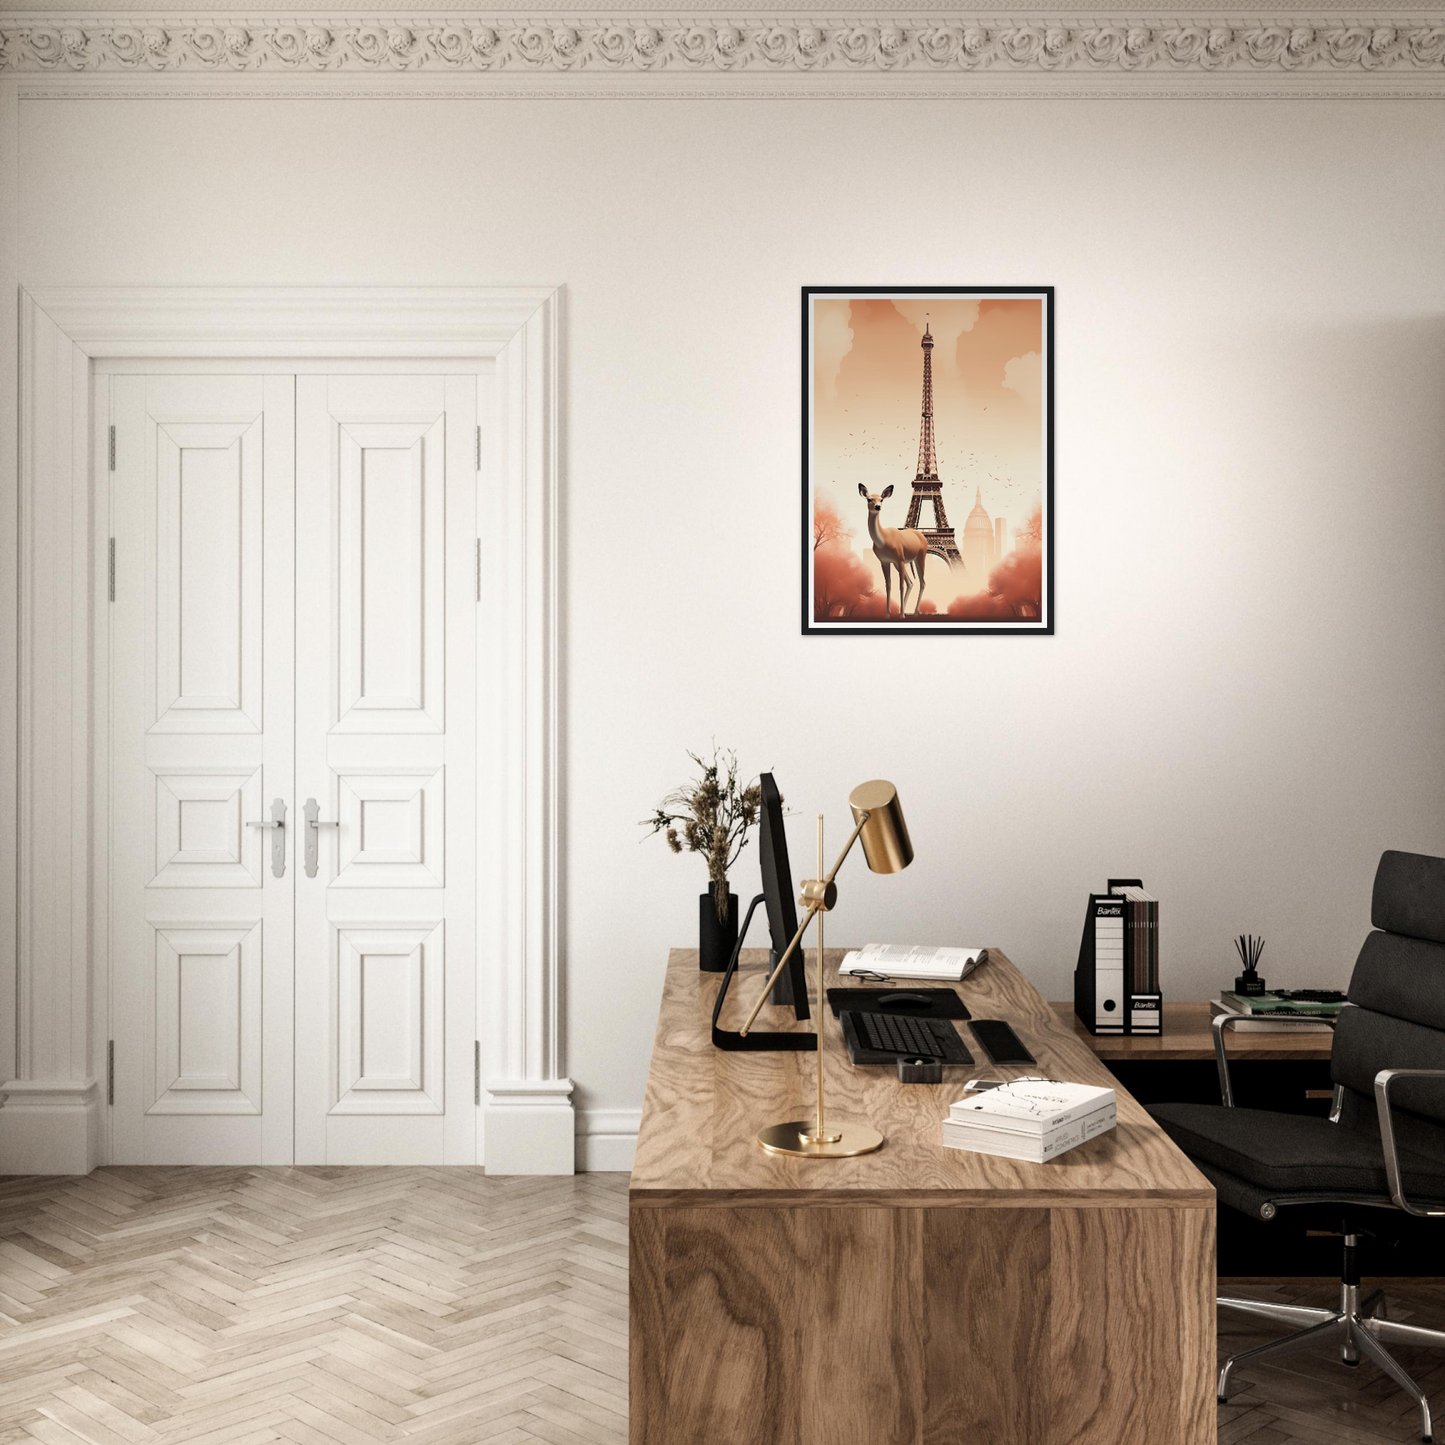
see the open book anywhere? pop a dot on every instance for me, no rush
(901, 960)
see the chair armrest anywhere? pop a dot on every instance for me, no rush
(1383, 1080)
(1222, 1022)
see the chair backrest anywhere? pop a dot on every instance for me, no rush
(1398, 993)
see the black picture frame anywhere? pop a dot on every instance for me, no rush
(1043, 625)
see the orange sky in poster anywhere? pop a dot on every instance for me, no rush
(987, 404)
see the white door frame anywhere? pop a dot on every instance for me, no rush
(54, 989)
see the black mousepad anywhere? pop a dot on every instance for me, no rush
(915, 1003)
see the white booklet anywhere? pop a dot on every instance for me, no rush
(902, 960)
(1020, 1144)
(1031, 1106)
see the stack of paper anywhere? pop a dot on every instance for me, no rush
(1032, 1119)
(901, 960)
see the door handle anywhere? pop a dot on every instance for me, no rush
(314, 825)
(278, 841)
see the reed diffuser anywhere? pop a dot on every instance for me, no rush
(1249, 948)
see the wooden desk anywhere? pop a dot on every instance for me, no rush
(1187, 1036)
(919, 1295)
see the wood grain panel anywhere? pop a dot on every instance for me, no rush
(1131, 1327)
(859, 1281)
(647, 1327)
(857, 1325)
(732, 1328)
(986, 1297)
(704, 1107)
(1196, 1288)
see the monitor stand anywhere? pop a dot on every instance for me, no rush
(757, 1040)
(782, 993)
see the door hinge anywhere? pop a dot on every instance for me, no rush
(477, 1072)
(110, 1072)
(479, 569)
(112, 448)
(479, 447)
(110, 568)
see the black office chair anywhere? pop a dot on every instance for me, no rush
(1382, 1149)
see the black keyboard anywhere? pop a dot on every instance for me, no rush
(902, 1037)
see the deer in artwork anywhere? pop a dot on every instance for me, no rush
(902, 548)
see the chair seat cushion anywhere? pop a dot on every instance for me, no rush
(1292, 1153)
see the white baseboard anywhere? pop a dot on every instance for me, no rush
(607, 1139)
(531, 1127)
(49, 1126)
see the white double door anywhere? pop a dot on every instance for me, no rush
(292, 642)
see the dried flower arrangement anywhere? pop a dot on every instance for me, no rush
(711, 816)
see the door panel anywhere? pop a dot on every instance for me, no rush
(207, 1054)
(386, 608)
(198, 833)
(390, 994)
(201, 743)
(209, 560)
(390, 574)
(392, 828)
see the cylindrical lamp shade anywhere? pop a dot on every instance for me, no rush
(885, 840)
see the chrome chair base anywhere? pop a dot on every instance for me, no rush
(1359, 1327)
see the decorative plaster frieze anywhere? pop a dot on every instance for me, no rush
(879, 46)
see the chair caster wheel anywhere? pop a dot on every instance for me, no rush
(1221, 1399)
(1353, 1364)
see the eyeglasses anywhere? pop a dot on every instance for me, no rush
(870, 976)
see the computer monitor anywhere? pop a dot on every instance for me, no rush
(791, 987)
(777, 898)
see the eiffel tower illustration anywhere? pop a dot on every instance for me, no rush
(926, 486)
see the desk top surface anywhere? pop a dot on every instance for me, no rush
(1188, 1036)
(705, 1106)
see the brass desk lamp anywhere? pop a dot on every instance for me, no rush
(878, 821)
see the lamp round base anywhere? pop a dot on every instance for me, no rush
(793, 1138)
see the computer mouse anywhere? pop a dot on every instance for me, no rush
(902, 999)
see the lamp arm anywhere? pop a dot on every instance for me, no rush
(847, 847)
(813, 909)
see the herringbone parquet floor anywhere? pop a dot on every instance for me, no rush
(429, 1307)
(318, 1306)
(1312, 1398)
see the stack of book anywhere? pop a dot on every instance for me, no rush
(1265, 1012)
(1031, 1119)
(1141, 939)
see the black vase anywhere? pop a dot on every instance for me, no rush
(716, 941)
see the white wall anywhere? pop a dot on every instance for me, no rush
(1243, 700)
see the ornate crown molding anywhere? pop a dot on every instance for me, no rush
(932, 46)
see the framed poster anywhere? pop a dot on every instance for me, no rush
(928, 459)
